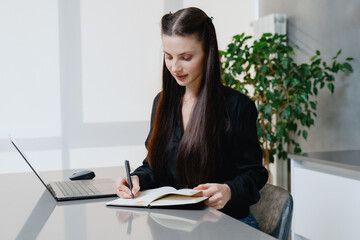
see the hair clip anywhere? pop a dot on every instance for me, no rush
(211, 19)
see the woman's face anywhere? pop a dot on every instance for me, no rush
(184, 58)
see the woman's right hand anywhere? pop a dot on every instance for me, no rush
(122, 187)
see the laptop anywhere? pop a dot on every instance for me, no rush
(74, 190)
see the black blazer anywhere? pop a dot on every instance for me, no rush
(241, 167)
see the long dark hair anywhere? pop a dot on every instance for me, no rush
(198, 153)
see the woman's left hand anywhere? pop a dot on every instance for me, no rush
(219, 194)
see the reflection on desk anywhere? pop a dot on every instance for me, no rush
(182, 220)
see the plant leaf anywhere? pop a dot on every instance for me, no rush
(267, 109)
(331, 87)
(337, 54)
(313, 105)
(348, 67)
(305, 134)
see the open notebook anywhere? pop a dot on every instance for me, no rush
(161, 197)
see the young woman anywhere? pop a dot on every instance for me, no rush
(203, 134)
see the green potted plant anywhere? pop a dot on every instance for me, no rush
(284, 91)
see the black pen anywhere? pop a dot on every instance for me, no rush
(127, 168)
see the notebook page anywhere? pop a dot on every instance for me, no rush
(145, 197)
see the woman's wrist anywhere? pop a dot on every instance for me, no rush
(228, 191)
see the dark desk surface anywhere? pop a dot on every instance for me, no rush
(28, 211)
(349, 159)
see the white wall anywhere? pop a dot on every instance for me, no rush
(78, 77)
(231, 17)
(120, 59)
(29, 68)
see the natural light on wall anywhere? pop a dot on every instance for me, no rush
(29, 69)
(121, 63)
(78, 77)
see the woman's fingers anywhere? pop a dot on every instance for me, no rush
(122, 187)
(219, 194)
(135, 185)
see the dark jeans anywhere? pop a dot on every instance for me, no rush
(251, 221)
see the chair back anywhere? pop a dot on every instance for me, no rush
(274, 211)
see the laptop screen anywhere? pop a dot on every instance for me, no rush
(26, 159)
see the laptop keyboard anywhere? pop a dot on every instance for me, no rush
(77, 188)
